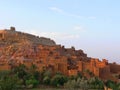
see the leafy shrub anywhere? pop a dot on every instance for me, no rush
(20, 71)
(96, 83)
(71, 84)
(80, 83)
(33, 82)
(9, 83)
(110, 84)
(46, 80)
(59, 80)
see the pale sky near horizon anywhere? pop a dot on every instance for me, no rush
(90, 25)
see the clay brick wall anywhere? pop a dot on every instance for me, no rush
(96, 71)
(86, 66)
(72, 72)
(105, 70)
(80, 66)
(114, 68)
(5, 67)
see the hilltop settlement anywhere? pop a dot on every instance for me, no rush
(18, 48)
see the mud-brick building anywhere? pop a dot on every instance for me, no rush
(22, 48)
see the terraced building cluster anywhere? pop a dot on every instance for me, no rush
(21, 48)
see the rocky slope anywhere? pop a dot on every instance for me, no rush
(22, 48)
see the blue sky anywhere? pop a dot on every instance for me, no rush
(90, 25)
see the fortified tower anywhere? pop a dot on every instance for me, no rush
(7, 33)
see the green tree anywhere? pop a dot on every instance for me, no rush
(83, 84)
(8, 81)
(32, 81)
(46, 80)
(20, 70)
(111, 84)
(118, 86)
(34, 72)
(78, 84)
(96, 83)
(72, 85)
(58, 79)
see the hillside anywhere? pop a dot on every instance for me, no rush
(14, 37)
(21, 48)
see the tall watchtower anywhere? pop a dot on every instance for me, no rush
(7, 33)
(12, 28)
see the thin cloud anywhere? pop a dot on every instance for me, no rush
(58, 10)
(55, 35)
(79, 28)
(60, 36)
(55, 9)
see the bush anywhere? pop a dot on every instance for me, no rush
(20, 71)
(47, 73)
(32, 82)
(80, 83)
(96, 83)
(71, 84)
(58, 80)
(110, 84)
(46, 80)
(9, 83)
(83, 84)
(118, 86)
